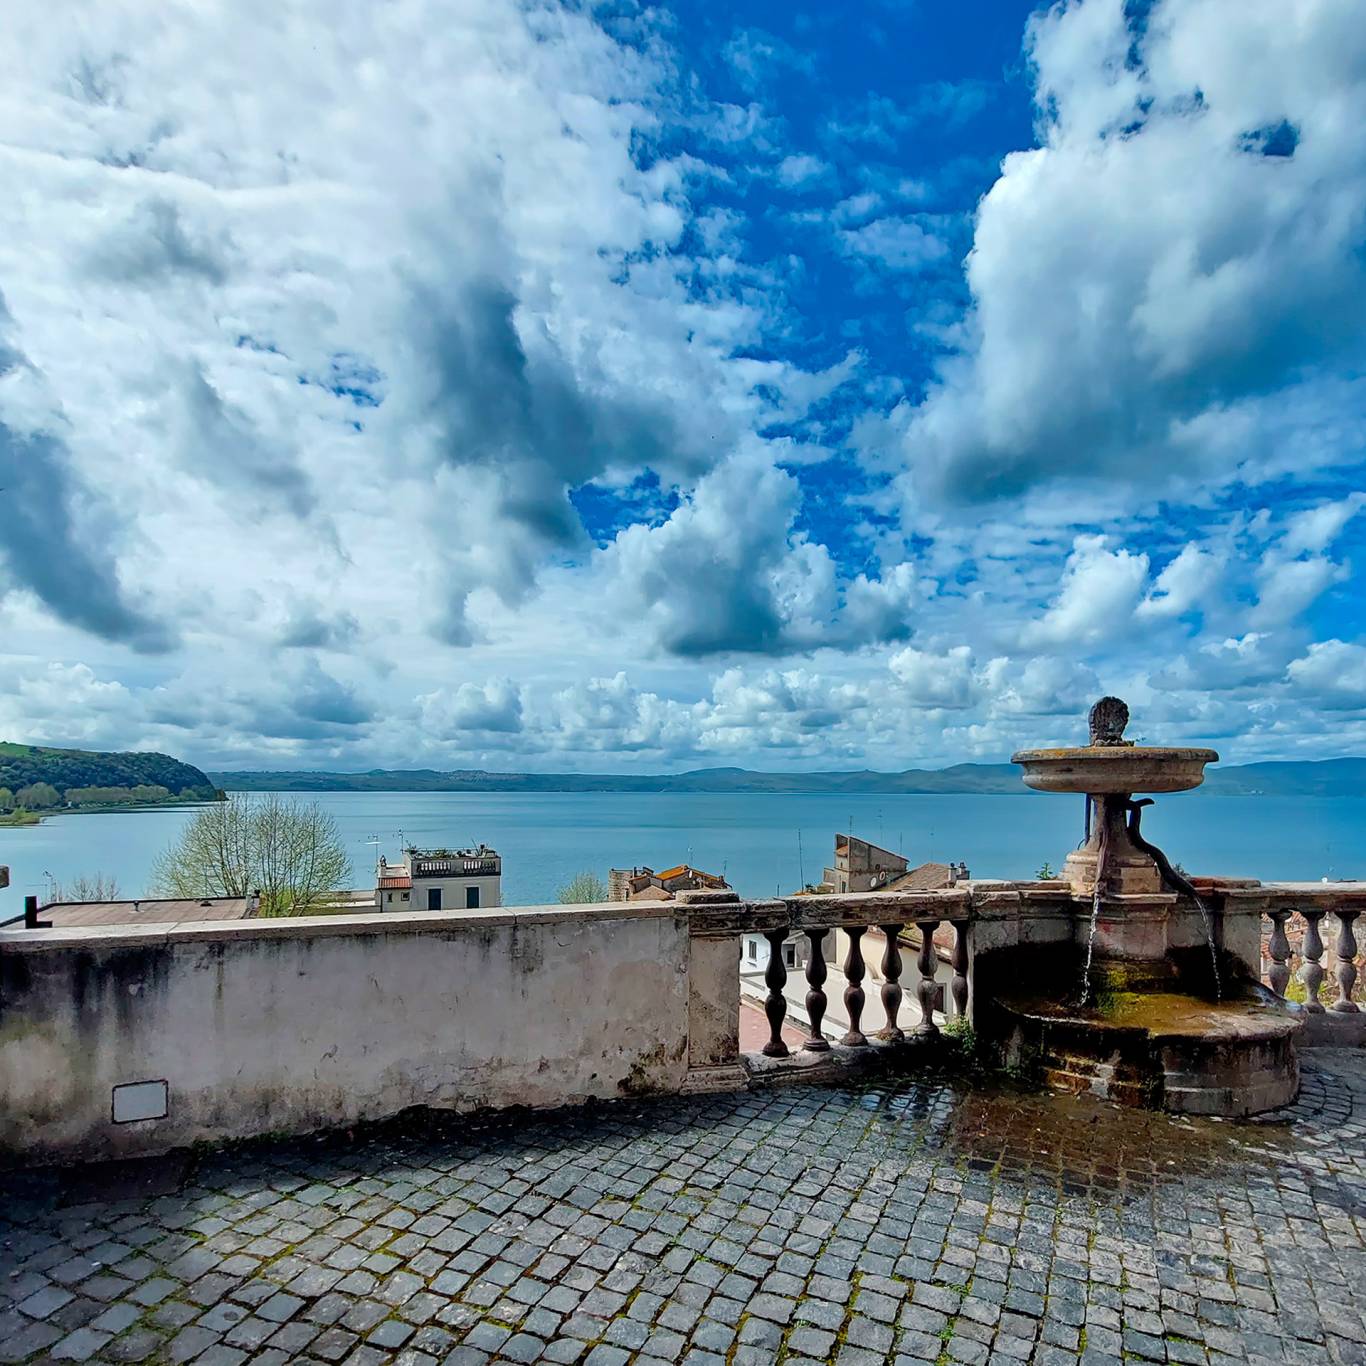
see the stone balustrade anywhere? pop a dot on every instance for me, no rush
(1314, 908)
(121, 1040)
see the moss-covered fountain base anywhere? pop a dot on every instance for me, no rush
(1143, 1041)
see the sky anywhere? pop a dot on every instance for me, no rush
(603, 386)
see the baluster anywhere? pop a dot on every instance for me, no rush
(927, 964)
(1311, 974)
(1346, 951)
(853, 992)
(959, 963)
(815, 997)
(1278, 946)
(891, 984)
(775, 1006)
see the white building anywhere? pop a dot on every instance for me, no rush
(440, 880)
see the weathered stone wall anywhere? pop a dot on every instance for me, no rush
(292, 1025)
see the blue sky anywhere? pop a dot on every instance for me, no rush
(543, 385)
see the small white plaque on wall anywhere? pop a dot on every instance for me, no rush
(139, 1100)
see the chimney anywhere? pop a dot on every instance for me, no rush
(31, 921)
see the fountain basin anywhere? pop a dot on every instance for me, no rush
(1159, 1050)
(1114, 770)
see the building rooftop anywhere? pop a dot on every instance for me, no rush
(148, 911)
(911, 1220)
(922, 878)
(687, 870)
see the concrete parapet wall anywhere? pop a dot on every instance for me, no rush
(293, 1025)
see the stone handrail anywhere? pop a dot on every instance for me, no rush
(1313, 903)
(120, 1040)
(986, 918)
(889, 912)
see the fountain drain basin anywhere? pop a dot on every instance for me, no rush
(1161, 1050)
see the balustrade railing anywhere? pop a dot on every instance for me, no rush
(1311, 974)
(881, 966)
(898, 919)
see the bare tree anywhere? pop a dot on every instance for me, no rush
(86, 887)
(583, 888)
(286, 849)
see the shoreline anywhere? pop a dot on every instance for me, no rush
(32, 818)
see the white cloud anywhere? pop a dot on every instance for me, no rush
(1183, 249)
(1333, 673)
(931, 680)
(304, 355)
(1314, 529)
(1286, 587)
(801, 171)
(1186, 582)
(493, 706)
(899, 244)
(1099, 592)
(728, 573)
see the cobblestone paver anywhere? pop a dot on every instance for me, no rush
(900, 1221)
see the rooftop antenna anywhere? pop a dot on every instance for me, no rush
(801, 865)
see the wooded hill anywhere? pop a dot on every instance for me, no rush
(89, 777)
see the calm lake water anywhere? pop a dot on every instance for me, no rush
(763, 843)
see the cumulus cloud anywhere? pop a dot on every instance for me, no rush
(310, 627)
(801, 170)
(1185, 583)
(492, 706)
(930, 680)
(729, 573)
(365, 416)
(1286, 587)
(346, 292)
(1100, 590)
(1183, 247)
(52, 523)
(900, 244)
(1334, 673)
(1314, 529)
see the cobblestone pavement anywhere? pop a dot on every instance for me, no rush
(905, 1220)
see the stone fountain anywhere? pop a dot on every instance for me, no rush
(1149, 1008)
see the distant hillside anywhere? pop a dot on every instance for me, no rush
(89, 771)
(960, 778)
(1328, 778)
(1300, 778)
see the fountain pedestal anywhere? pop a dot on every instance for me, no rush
(1129, 871)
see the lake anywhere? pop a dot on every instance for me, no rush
(763, 843)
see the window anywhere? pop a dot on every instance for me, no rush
(790, 955)
(433, 898)
(753, 950)
(471, 898)
(405, 896)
